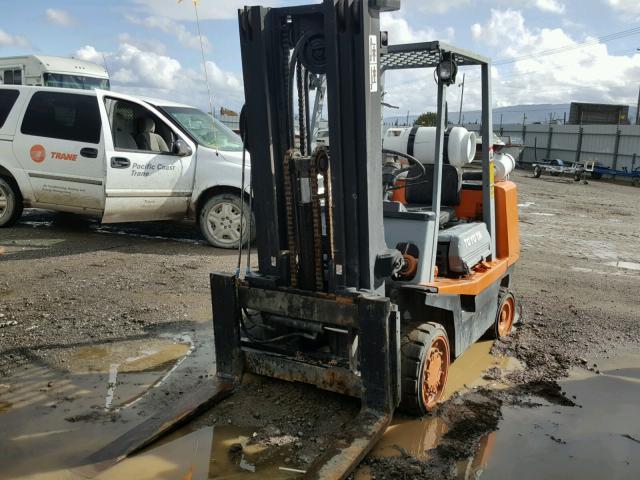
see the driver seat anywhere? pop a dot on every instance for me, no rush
(147, 139)
(418, 192)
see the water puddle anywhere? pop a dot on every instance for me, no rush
(220, 452)
(67, 403)
(598, 439)
(626, 265)
(416, 436)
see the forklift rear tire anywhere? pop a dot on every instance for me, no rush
(426, 358)
(505, 318)
(537, 171)
(10, 202)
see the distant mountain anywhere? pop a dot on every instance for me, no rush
(541, 113)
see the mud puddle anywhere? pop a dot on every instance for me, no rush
(220, 452)
(416, 436)
(66, 403)
(600, 438)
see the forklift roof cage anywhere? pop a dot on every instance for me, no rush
(428, 55)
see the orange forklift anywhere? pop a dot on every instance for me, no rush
(378, 265)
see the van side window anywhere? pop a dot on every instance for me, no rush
(12, 77)
(135, 128)
(63, 115)
(7, 100)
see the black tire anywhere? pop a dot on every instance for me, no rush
(577, 176)
(10, 202)
(415, 349)
(498, 329)
(219, 220)
(537, 171)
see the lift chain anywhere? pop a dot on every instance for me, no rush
(317, 226)
(288, 199)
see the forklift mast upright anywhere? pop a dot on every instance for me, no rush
(282, 50)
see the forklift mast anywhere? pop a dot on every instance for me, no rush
(283, 51)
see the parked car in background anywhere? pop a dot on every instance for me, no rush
(120, 158)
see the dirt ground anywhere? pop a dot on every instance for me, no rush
(67, 283)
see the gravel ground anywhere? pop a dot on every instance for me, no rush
(67, 281)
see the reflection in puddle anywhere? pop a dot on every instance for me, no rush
(54, 405)
(211, 452)
(599, 440)
(416, 436)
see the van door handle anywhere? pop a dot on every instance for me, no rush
(120, 162)
(89, 152)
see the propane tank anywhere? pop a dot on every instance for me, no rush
(503, 165)
(460, 144)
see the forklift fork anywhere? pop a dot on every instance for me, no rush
(376, 382)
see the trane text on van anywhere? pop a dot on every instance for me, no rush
(120, 158)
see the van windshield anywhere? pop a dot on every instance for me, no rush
(74, 81)
(205, 129)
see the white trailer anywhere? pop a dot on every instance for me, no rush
(47, 71)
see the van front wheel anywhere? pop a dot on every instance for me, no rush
(220, 221)
(10, 203)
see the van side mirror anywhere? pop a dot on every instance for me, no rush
(181, 149)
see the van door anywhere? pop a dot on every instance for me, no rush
(150, 163)
(59, 146)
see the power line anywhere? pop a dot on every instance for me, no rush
(566, 48)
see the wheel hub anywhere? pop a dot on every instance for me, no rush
(4, 200)
(435, 372)
(507, 314)
(224, 222)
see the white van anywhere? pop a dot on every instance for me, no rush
(48, 71)
(120, 158)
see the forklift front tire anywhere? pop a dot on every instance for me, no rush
(426, 358)
(10, 202)
(505, 318)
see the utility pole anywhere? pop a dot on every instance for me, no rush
(407, 118)
(638, 106)
(524, 118)
(204, 63)
(461, 99)
(638, 109)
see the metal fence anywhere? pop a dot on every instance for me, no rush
(611, 146)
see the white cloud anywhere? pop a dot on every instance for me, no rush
(552, 6)
(171, 27)
(207, 10)
(577, 72)
(444, 6)
(59, 17)
(401, 32)
(505, 27)
(629, 7)
(143, 43)
(434, 6)
(148, 73)
(9, 40)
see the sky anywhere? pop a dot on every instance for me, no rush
(544, 51)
